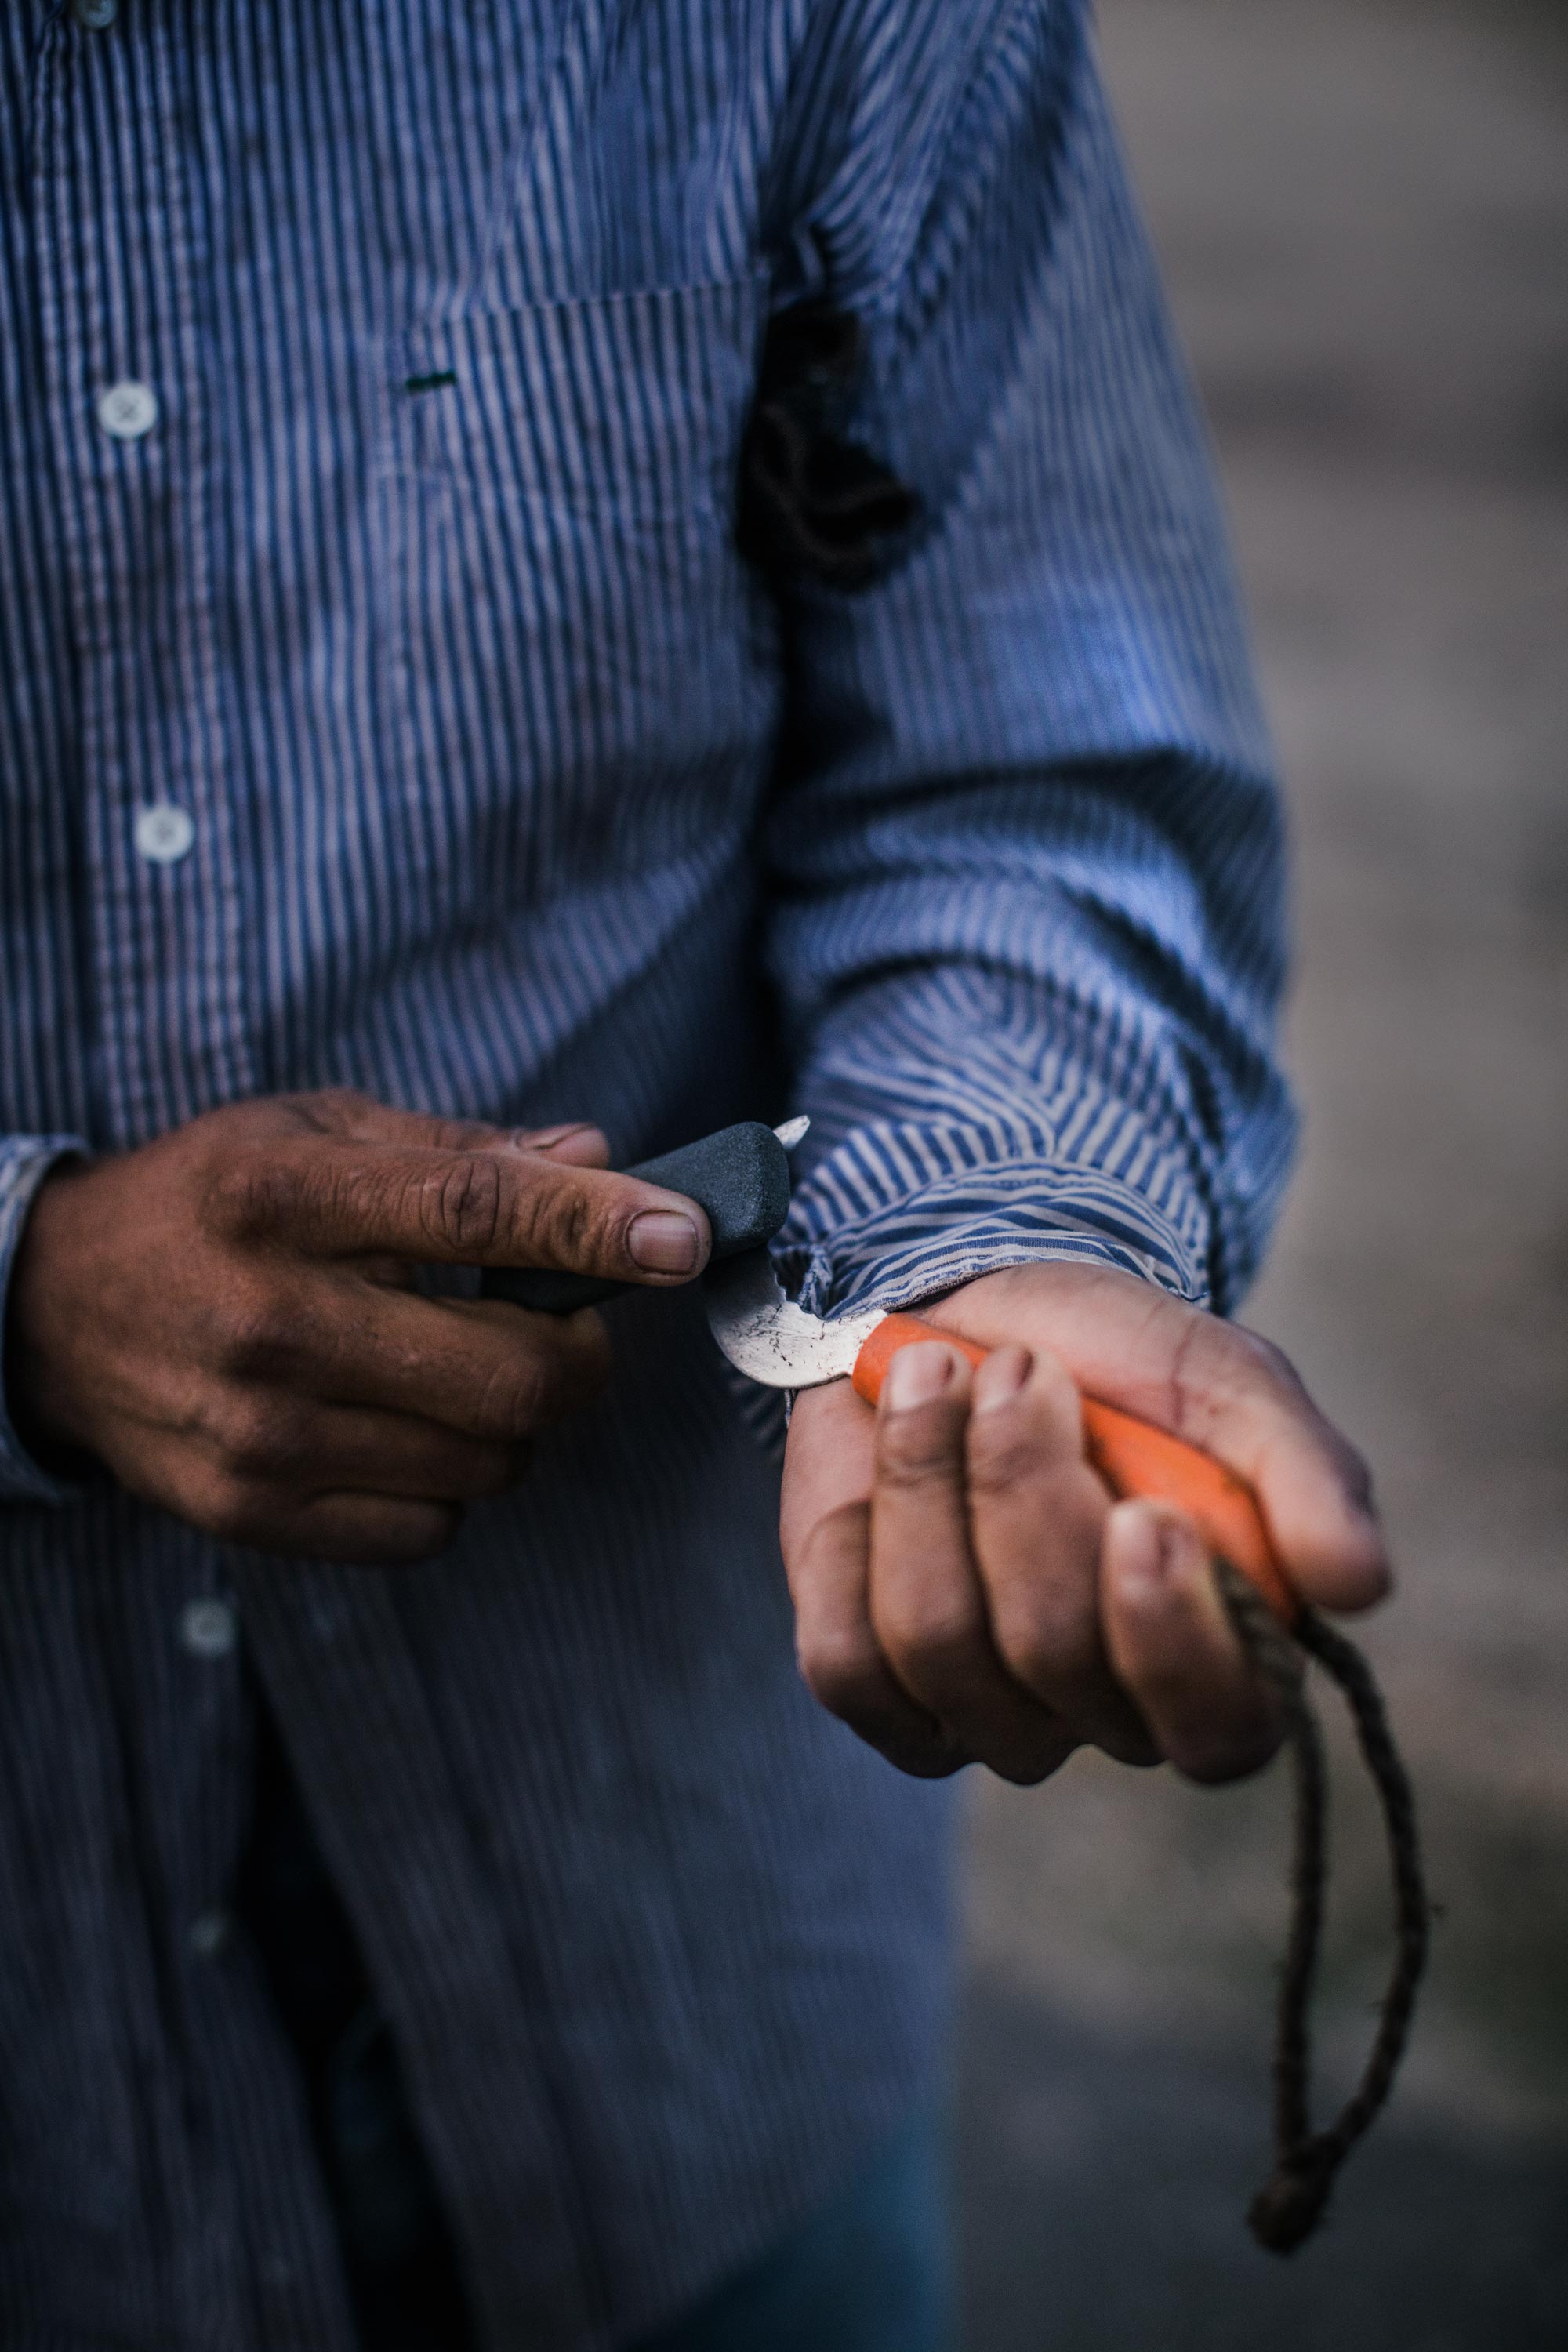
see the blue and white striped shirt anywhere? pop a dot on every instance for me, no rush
(383, 703)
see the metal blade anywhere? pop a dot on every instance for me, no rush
(771, 1339)
(792, 1131)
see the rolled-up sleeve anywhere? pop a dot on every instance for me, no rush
(1025, 901)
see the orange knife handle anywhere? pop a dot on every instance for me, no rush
(896, 1331)
(1133, 1457)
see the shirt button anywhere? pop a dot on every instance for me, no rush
(209, 1629)
(210, 1932)
(128, 410)
(94, 15)
(164, 833)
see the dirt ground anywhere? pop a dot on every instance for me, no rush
(1363, 208)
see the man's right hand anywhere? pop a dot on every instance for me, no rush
(224, 1318)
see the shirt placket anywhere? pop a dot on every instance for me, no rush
(123, 268)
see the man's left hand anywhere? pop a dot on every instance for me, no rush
(965, 1589)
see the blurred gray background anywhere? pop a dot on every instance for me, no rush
(1362, 205)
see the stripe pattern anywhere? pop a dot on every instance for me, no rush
(503, 788)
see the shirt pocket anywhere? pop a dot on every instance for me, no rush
(583, 678)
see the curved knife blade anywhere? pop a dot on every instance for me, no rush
(771, 1339)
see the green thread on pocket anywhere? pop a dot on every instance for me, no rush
(431, 382)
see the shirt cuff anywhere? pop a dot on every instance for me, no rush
(933, 1229)
(24, 1161)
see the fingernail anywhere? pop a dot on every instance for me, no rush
(916, 1375)
(1000, 1378)
(661, 1241)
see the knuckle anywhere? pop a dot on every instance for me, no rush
(1047, 1755)
(1028, 1655)
(917, 1449)
(461, 1135)
(1212, 1757)
(1227, 1359)
(336, 1105)
(249, 1192)
(819, 1555)
(1053, 1395)
(464, 1207)
(936, 1643)
(258, 1334)
(1355, 1474)
(1275, 1366)
(1001, 1459)
(839, 1668)
(1217, 1363)
(231, 1508)
(513, 1400)
(258, 1436)
(326, 1111)
(567, 1227)
(1258, 1354)
(1133, 1744)
(1045, 1646)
